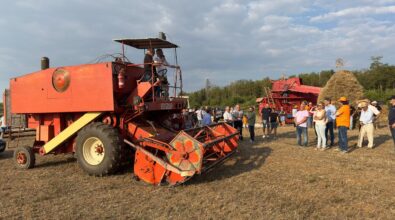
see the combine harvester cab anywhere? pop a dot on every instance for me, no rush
(108, 112)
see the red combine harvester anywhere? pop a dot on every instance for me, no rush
(105, 113)
(287, 93)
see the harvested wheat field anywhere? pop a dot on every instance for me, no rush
(266, 180)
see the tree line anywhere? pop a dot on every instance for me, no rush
(378, 82)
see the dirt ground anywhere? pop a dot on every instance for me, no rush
(270, 179)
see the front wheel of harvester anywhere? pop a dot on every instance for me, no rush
(24, 157)
(98, 149)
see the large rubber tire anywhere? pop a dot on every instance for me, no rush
(24, 157)
(99, 149)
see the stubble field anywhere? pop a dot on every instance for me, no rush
(270, 179)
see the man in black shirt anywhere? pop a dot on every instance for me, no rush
(148, 68)
(265, 114)
(273, 118)
(391, 118)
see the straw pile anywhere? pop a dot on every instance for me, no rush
(342, 83)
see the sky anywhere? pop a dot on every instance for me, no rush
(220, 40)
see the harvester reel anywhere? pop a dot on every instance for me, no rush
(99, 149)
(186, 156)
(24, 157)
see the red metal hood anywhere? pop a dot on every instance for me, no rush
(294, 85)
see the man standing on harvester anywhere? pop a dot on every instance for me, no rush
(149, 69)
(161, 68)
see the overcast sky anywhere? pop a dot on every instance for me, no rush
(222, 40)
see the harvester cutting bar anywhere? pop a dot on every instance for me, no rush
(174, 158)
(207, 167)
(218, 140)
(163, 163)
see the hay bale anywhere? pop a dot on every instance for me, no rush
(342, 83)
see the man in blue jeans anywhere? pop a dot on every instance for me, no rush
(301, 125)
(331, 116)
(343, 123)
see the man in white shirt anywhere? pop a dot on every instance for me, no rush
(3, 126)
(199, 114)
(237, 120)
(368, 114)
(228, 118)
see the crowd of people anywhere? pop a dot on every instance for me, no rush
(323, 117)
(240, 119)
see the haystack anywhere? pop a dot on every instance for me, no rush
(342, 83)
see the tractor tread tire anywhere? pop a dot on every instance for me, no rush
(112, 148)
(30, 157)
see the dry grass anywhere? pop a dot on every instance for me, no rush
(266, 180)
(342, 83)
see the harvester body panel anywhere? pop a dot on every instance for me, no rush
(82, 88)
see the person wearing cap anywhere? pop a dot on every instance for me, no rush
(343, 123)
(331, 117)
(391, 118)
(366, 119)
(375, 121)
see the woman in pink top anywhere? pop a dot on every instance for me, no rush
(301, 125)
(320, 120)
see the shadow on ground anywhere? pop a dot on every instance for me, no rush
(6, 154)
(249, 157)
(55, 163)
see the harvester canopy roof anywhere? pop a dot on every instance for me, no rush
(147, 43)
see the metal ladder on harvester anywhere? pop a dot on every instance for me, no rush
(269, 96)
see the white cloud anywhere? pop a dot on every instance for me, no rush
(259, 9)
(221, 40)
(354, 12)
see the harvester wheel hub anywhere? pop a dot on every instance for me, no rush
(93, 151)
(99, 149)
(21, 158)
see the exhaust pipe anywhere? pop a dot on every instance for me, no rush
(44, 63)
